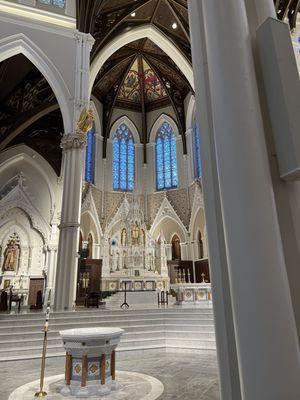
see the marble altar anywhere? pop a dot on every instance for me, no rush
(192, 293)
(132, 255)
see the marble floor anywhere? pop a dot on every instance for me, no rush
(184, 376)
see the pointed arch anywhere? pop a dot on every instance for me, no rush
(131, 125)
(20, 43)
(144, 31)
(158, 122)
(190, 112)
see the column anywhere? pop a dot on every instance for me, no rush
(102, 369)
(267, 345)
(51, 263)
(113, 365)
(287, 195)
(66, 273)
(73, 145)
(68, 369)
(224, 327)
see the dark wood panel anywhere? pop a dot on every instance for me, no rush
(35, 285)
(202, 267)
(90, 269)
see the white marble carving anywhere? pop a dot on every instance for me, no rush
(92, 364)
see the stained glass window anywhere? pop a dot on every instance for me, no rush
(123, 159)
(55, 3)
(198, 168)
(166, 158)
(90, 156)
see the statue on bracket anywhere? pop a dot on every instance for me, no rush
(11, 256)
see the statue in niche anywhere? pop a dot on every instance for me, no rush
(143, 237)
(11, 255)
(123, 237)
(135, 233)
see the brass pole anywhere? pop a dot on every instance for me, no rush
(41, 392)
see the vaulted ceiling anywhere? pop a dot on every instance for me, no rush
(105, 19)
(139, 76)
(288, 9)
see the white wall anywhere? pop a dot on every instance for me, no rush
(30, 204)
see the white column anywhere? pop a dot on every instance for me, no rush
(51, 264)
(225, 335)
(73, 145)
(96, 250)
(267, 345)
(65, 289)
(285, 194)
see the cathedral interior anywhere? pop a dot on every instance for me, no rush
(142, 155)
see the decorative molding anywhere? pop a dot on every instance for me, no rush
(36, 18)
(89, 206)
(71, 141)
(17, 198)
(21, 44)
(166, 210)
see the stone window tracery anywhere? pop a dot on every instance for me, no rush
(123, 159)
(55, 3)
(166, 158)
(90, 156)
(198, 167)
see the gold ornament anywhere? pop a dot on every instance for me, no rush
(85, 122)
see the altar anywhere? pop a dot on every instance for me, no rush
(132, 256)
(192, 293)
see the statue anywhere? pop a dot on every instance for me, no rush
(10, 256)
(135, 233)
(123, 237)
(85, 122)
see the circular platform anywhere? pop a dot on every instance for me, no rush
(133, 386)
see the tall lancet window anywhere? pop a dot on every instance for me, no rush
(198, 168)
(166, 158)
(90, 156)
(123, 159)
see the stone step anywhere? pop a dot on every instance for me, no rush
(27, 318)
(55, 333)
(66, 324)
(102, 312)
(21, 336)
(22, 343)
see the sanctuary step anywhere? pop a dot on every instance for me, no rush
(21, 335)
(135, 299)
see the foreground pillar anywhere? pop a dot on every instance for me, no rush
(73, 145)
(287, 194)
(267, 345)
(229, 381)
